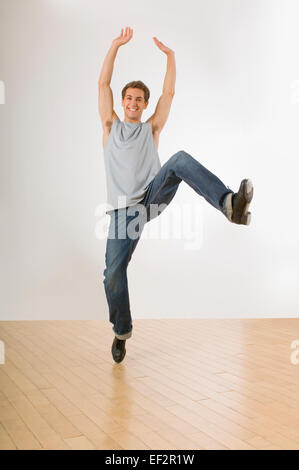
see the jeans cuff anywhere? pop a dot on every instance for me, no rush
(124, 336)
(228, 208)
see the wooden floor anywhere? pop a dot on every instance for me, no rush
(184, 384)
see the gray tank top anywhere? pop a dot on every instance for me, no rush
(131, 162)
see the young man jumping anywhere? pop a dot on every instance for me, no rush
(135, 178)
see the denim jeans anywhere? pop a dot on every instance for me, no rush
(119, 248)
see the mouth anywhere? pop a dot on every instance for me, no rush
(132, 110)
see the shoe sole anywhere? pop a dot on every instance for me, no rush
(248, 194)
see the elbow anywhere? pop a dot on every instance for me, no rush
(169, 92)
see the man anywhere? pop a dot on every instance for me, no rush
(136, 179)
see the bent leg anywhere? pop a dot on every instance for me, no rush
(183, 167)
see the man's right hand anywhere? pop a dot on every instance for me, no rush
(124, 37)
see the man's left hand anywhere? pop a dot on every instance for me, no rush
(162, 46)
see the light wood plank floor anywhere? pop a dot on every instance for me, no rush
(184, 384)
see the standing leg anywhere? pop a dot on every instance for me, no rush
(119, 249)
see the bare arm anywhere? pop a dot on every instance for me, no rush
(105, 101)
(170, 77)
(107, 68)
(159, 118)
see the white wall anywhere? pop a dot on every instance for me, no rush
(236, 110)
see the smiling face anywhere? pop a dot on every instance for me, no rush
(133, 104)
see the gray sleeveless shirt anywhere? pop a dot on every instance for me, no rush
(131, 162)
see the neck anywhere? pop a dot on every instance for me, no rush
(133, 122)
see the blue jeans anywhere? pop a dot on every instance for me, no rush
(119, 249)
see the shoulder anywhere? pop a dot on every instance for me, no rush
(107, 126)
(153, 126)
(108, 123)
(112, 120)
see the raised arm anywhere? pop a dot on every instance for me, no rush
(105, 101)
(159, 118)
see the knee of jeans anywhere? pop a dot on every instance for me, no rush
(180, 157)
(178, 154)
(114, 277)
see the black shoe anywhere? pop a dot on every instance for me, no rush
(118, 349)
(240, 203)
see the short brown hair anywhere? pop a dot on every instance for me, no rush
(137, 84)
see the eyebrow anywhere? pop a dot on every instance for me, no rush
(136, 96)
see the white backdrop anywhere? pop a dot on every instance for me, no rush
(236, 110)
